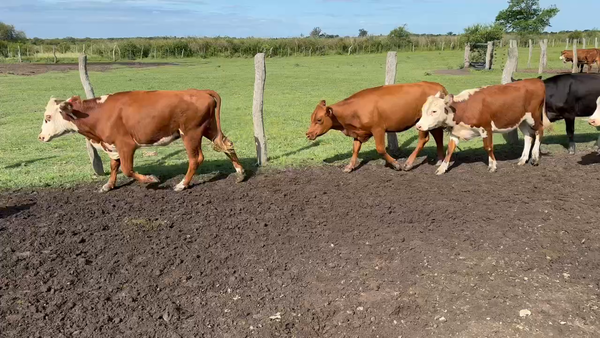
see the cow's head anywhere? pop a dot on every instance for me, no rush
(563, 56)
(595, 118)
(320, 121)
(435, 111)
(58, 119)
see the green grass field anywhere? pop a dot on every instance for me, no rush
(294, 86)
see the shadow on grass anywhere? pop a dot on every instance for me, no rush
(564, 141)
(24, 163)
(11, 210)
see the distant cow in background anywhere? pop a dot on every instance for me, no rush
(375, 111)
(122, 122)
(584, 57)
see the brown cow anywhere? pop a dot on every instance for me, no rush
(584, 56)
(375, 111)
(483, 111)
(122, 122)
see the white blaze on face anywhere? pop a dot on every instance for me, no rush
(433, 113)
(54, 125)
(595, 118)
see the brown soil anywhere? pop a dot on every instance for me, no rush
(312, 253)
(39, 68)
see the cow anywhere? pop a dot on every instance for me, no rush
(487, 110)
(375, 111)
(122, 122)
(569, 96)
(584, 57)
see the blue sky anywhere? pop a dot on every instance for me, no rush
(266, 18)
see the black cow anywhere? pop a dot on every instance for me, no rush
(569, 96)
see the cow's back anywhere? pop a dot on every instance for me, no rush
(394, 107)
(151, 115)
(571, 94)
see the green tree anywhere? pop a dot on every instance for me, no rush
(575, 35)
(316, 32)
(479, 33)
(362, 33)
(9, 33)
(399, 36)
(526, 17)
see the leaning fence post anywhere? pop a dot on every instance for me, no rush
(543, 56)
(390, 78)
(260, 140)
(510, 67)
(467, 55)
(488, 55)
(89, 93)
(54, 54)
(575, 58)
(19, 51)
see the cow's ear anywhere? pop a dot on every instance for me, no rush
(328, 111)
(323, 103)
(512, 79)
(66, 110)
(449, 99)
(440, 95)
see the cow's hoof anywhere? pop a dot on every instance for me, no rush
(348, 168)
(571, 149)
(152, 179)
(535, 162)
(107, 187)
(407, 166)
(522, 161)
(440, 171)
(397, 166)
(439, 163)
(492, 169)
(179, 187)
(240, 177)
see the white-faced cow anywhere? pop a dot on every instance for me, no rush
(122, 122)
(487, 110)
(595, 118)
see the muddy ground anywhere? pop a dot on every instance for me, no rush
(312, 253)
(40, 68)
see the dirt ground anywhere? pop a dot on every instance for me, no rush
(312, 253)
(39, 68)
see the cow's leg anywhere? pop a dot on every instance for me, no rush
(112, 180)
(126, 154)
(528, 137)
(192, 143)
(438, 136)
(222, 144)
(423, 139)
(379, 136)
(355, 149)
(570, 124)
(535, 153)
(488, 145)
(451, 146)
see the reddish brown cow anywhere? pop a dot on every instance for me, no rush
(375, 111)
(488, 110)
(122, 122)
(584, 56)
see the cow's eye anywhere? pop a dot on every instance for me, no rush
(47, 119)
(434, 112)
(319, 120)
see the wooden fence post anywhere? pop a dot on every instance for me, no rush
(390, 78)
(260, 140)
(19, 53)
(89, 93)
(575, 59)
(54, 54)
(510, 67)
(489, 54)
(583, 45)
(567, 46)
(596, 43)
(530, 54)
(543, 56)
(467, 55)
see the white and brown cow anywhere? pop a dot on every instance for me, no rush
(487, 110)
(595, 118)
(122, 122)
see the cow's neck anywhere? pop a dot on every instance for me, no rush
(87, 115)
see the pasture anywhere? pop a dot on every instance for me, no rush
(300, 249)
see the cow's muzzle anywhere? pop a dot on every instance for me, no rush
(594, 122)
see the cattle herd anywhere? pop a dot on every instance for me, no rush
(122, 122)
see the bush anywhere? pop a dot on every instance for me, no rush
(479, 33)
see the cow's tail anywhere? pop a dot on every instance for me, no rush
(546, 124)
(220, 142)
